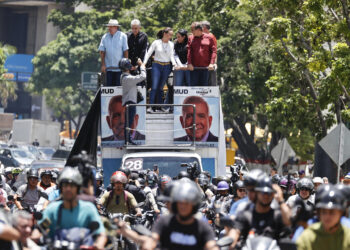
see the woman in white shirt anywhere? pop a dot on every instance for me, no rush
(162, 64)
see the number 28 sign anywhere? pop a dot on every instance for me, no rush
(134, 164)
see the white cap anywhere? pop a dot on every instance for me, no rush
(113, 22)
(317, 180)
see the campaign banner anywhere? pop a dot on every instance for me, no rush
(207, 101)
(113, 118)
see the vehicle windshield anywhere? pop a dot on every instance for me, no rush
(47, 151)
(167, 165)
(20, 154)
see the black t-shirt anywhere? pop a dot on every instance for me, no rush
(138, 193)
(137, 46)
(181, 51)
(268, 224)
(174, 235)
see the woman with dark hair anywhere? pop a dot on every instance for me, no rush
(162, 64)
(181, 74)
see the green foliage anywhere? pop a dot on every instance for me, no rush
(7, 88)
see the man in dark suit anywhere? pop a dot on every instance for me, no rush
(116, 121)
(203, 121)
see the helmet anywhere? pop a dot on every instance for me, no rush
(239, 184)
(275, 179)
(207, 173)
(98, 176)
(54, 175)
(251, 179)
(203, 180)
(223, 185)
(305, 183)
(70, 175)
(321, 191)
(118, 176)
(347, 176)
(186, 191)
(264, 185)
(33, 173)
(283, 182)
(16, 171)
(223, 178)
(141, 181)
(317, 180)
(333, 199)
(166, 195)
(45, 172)
(8, 170)
(125, 64)
(183, 174)
(344, 189)
(126, 171)
(165, 179)
(152, 179)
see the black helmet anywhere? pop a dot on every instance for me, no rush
(183, 174)
(264, 185)
(152, 179)
(223, 178)
(345, 190)
(125, 64)
(141, 181)
(275, 179)
(126, 171)
(33, 173)
(305, 183)
(186, 191)
(70, 175)
(333, 199)
(207, 173)
(320, 191)
(239, 184)
(45, 172)
(251, 179)
(166, 195)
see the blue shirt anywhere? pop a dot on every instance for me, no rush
(114, 46)
(234, 206)
(54, 195)
(80, 216)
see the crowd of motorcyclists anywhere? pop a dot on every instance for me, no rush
(72, 209)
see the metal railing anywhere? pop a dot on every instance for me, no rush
(128, 129)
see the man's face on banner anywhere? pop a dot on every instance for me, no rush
(116, 120)
(203, 120)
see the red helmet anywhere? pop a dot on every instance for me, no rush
(118, 176)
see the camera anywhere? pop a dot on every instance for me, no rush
(235, 172)
(86, 167)
(192, 169)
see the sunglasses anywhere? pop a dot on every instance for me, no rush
(242, 190)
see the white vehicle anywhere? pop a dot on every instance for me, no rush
(168, 163)
(23, 157)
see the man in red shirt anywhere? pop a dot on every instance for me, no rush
(202, 55)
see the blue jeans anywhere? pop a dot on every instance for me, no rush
(113, 78)
(160, 74)
(199, 77)
(182, 78)
(131, 113)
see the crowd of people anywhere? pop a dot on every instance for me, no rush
(190, 58)
(189, 211)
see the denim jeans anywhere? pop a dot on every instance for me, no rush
(182, 78)
(113, 78)
(131, 113)
(160, 74)
(199, 77)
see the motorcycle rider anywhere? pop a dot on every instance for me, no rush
(100, 190)
(304, 191)
(181, 230)
(222, 198)
(119, 200)
(260, 219)
(30, 193)
(329, 233)
(132, 188)
(45, 180)
(70, 212)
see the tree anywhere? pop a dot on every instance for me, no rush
(7, 88)
(59, 64)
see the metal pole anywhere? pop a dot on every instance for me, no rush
(280, 163)
(341, 147)
(194, 124)
(127, 125)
